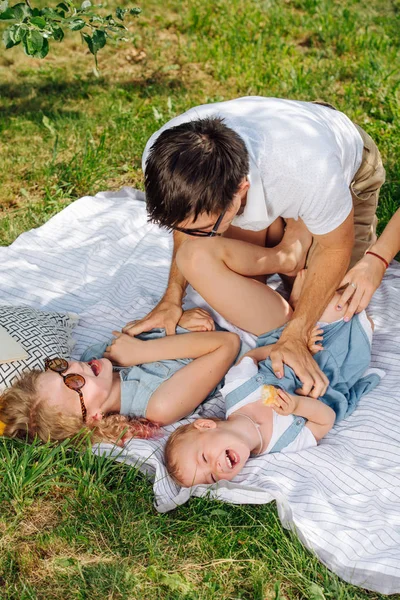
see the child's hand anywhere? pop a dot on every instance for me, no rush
(315, 336)
(286, 404)
(123, 350)
(197, 319)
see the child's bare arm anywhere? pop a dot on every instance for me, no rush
(128, 351)
(187, 388)
(320, 417)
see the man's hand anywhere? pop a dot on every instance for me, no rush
(197, 319)
(294, 353)
(165, 315)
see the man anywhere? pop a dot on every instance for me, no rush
(237, 167)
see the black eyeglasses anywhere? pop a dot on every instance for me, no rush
(201, 232)
(73, 381)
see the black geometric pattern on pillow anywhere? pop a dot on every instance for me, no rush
(40, 333)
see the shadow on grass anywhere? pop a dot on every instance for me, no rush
(32, 98)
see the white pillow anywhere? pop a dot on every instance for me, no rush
(40, 333)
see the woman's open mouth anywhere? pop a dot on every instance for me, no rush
(96, 366)
(231, 458)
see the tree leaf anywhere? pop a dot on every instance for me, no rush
(18, 32)
(21, 11)
(99, 40)
(33, 42)
(39, 22)
(76, 24)
(7, 15)
(86, 4)
(3, 6)
(62, 8)
(8, 38)
(50, 12)
(88, 39)
(120, 13)
(43, 52)
(58, 33)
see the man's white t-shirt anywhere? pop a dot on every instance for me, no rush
(303, 158)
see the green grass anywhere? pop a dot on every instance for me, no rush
(77, 526)
(72, 525)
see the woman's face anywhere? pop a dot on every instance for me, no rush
(98, 391)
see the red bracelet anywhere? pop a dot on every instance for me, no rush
(380, 257)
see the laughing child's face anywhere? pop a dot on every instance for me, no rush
(208, 452)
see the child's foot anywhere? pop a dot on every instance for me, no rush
(297, 288)
(294, 247)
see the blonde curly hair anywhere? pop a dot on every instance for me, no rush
(24, 413)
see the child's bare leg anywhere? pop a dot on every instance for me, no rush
(297, 240)
(275, 233)
(266, 238)
(258, 238)
(286, 245)
(330, 314)
(219, 269)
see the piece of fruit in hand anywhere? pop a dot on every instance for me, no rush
(269, 395)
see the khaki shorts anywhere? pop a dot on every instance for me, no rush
(365, 194)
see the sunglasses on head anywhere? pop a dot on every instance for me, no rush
(201, 232)
(73, 381)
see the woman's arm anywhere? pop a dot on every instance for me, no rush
(365, 277)
(320, 417)
(388, 245)
(187, 388)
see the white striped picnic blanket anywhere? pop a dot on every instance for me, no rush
(100, 258)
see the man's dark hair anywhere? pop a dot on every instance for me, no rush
(192, 168)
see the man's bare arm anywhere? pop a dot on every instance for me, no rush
(169, 309)
(325, 271)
